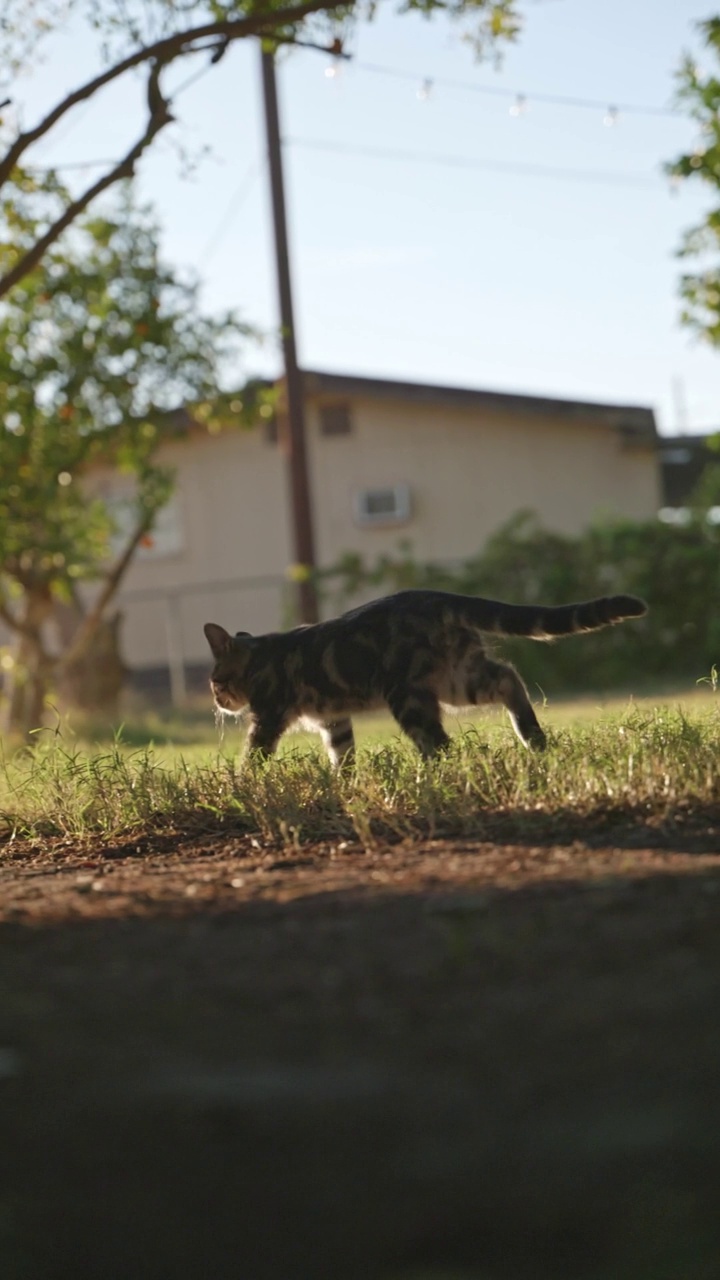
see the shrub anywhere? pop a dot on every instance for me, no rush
(674, 567)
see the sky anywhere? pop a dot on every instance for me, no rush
(447, 224)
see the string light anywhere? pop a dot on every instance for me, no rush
(425, 90)
(332, 72)
(611, 117)
(519, 106)
(499, 91)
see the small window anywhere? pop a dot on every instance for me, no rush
(390, 505)
(335, 420)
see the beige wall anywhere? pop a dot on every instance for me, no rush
(468, 471)
(232, 506)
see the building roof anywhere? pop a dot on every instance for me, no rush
(636, 421)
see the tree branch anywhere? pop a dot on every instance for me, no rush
(159, 116)
(8, 618)
(11, 622)
(162, 52)
(90, 623)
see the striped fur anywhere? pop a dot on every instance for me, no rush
(413, 652)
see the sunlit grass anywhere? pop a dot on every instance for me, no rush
(646, 759)
(193, 733)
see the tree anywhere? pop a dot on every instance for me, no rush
(700, 92)
(99, 348)
(155, 35)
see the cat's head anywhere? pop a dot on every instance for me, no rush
(227, 678)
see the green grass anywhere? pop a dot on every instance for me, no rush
(603, 764)
(194, 733)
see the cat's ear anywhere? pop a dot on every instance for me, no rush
(218, 638)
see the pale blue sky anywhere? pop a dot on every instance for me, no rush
(465, 273)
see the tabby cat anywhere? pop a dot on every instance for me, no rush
(413, 652)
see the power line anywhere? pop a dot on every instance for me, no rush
(613, 178)
(608, 176)
(235, 203)
(70, 164)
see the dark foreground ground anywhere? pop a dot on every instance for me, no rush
(423, 1062)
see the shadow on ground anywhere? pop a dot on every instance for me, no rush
(374, 1085)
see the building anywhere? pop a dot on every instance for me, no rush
(683, 460)
(439, 467)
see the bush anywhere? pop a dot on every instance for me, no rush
(674, 567)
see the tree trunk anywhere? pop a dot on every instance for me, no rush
(27, 685)
(93, 681)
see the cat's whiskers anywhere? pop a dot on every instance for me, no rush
(220, 722)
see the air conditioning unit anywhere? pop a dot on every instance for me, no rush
(388, 505)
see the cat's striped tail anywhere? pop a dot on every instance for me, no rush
(547, 622)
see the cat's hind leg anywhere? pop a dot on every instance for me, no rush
(417, 711)
(339, 740)
(491, 681)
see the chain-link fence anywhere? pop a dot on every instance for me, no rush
(162, 633)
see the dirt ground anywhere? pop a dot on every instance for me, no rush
(427, 1061)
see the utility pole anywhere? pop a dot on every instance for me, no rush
(301, 504)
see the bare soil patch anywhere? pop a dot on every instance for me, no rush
(428, 1059)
